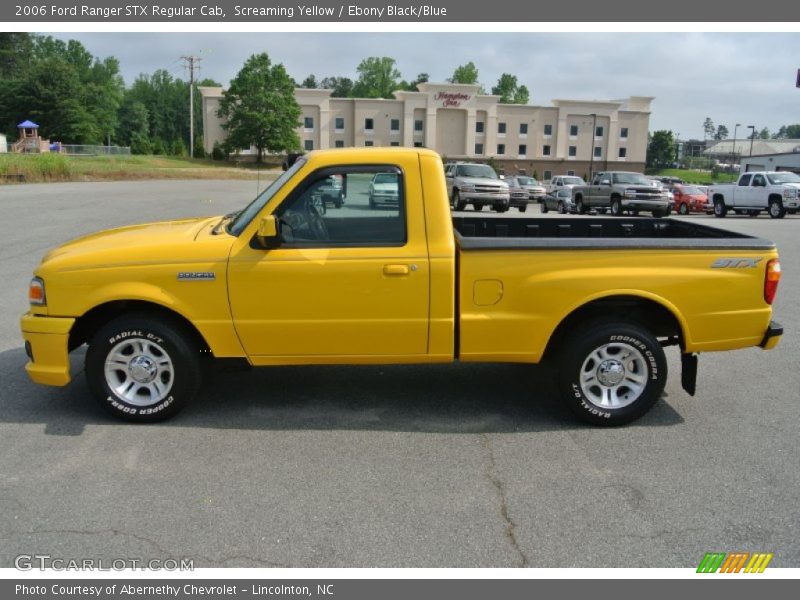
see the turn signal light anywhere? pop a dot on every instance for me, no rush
(36, 292)
(771, 279)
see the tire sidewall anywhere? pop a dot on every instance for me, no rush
(577, 350)
(186, 371)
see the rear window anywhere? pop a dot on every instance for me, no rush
(745, 180)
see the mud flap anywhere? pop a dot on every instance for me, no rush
(689, 373)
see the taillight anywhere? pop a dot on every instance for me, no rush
(771, 279)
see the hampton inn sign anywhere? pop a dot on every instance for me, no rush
(459, 122)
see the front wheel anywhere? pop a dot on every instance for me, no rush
(501, 208)
(616, 207)
(720, 210)
(683, 209)
(776, 209)
(579, 207)
(523, 208)
(562, 209)
(458, 204)
(142, 368)
(659, 212)
(611, 373)
(477, 206)
(543, 207)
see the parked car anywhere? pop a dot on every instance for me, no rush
(621, 191)
(534, 188)
(559, 200)
(279, 284)
(475, 184)
(519, 196)
(777, 192)
(384, 190)
(564, 181)
(330, 191)
(689, 199)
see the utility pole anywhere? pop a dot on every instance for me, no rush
(191, 63)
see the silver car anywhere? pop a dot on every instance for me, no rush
(559, 200)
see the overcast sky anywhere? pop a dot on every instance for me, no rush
(730, 77)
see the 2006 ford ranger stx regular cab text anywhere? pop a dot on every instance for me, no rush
(281, 283)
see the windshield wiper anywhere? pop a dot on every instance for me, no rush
(225, 219)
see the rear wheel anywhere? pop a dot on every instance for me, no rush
(616, 207)
(683, 209)
(776, 209)
(611, 373)
(720, 210)
(477, 206)
(143, 368)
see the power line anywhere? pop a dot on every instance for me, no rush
(191, 63)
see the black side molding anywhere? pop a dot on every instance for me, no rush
(775, 329)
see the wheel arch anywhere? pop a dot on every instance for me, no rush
(651, 312)
(88, 324)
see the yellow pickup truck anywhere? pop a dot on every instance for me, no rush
(293, 280)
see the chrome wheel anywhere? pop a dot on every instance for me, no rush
(613, 375)
(139, 371)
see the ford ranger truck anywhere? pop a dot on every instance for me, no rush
(279, 283)
(776, 192)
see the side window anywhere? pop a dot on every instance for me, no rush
(744, 181)
(346, 207)
(759, 180)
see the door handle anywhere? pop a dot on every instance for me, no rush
(395, 270)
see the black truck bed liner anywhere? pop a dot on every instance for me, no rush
(498, 233)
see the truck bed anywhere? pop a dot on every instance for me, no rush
(498, 233)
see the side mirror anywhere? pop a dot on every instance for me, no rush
(267, 234)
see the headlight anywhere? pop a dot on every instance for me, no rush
(790, 192)
(630, 193)
(36, 294)
(466, 188)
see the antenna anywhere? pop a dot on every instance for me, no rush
(191, 63)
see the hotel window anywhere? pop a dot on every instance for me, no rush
(523, 129)
(308, 122)
(369, 124)
(501, 128)
(308, 145)
(523, 149)
(548, 130)
(598, 152)
(598, 131)
(623, 152)
(501, 149)
(418, 125)
(369, 143)
(478, 148)
(571, 173)
(394, 143)
(573, 130)
(394, 125)
(339, 125)
(339, 143)
(573, 151)
(623, 133)
(548, 175)
(478, 126)
(546, 150)
(417, 144)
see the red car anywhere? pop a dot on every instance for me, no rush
(689, 198)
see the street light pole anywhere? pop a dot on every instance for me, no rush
(591, 152)
(733, 151)
(752, 129)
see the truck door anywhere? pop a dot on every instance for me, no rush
(741, 191)
(757, 191)
(351, 281)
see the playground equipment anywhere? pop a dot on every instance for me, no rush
(29, 139)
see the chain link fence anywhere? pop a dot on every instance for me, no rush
(90, 150)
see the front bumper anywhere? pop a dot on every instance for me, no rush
(47, 345)
(485, 198)
(772, 336)
(644, 205)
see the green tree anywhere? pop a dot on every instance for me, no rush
(341, 87)
(722, 133)
(309, 82)
(708, 128)
(791, 132)
(510, 91)
(16, 53)
(260, 108)
(134, 126)
(660, 149)
(467, 73)
(764, 134)
(377, 78)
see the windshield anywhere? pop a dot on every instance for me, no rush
(573, 181)
(691, 190)
(478, 171)
(247, 215)
(527, 181)
(634, 178)
(787, 177)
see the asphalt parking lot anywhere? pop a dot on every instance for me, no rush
(434, 466)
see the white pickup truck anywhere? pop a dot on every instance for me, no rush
(777, 192)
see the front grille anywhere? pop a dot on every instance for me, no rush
(488, 189)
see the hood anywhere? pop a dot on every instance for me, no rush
(165, 241)
(482, 181)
